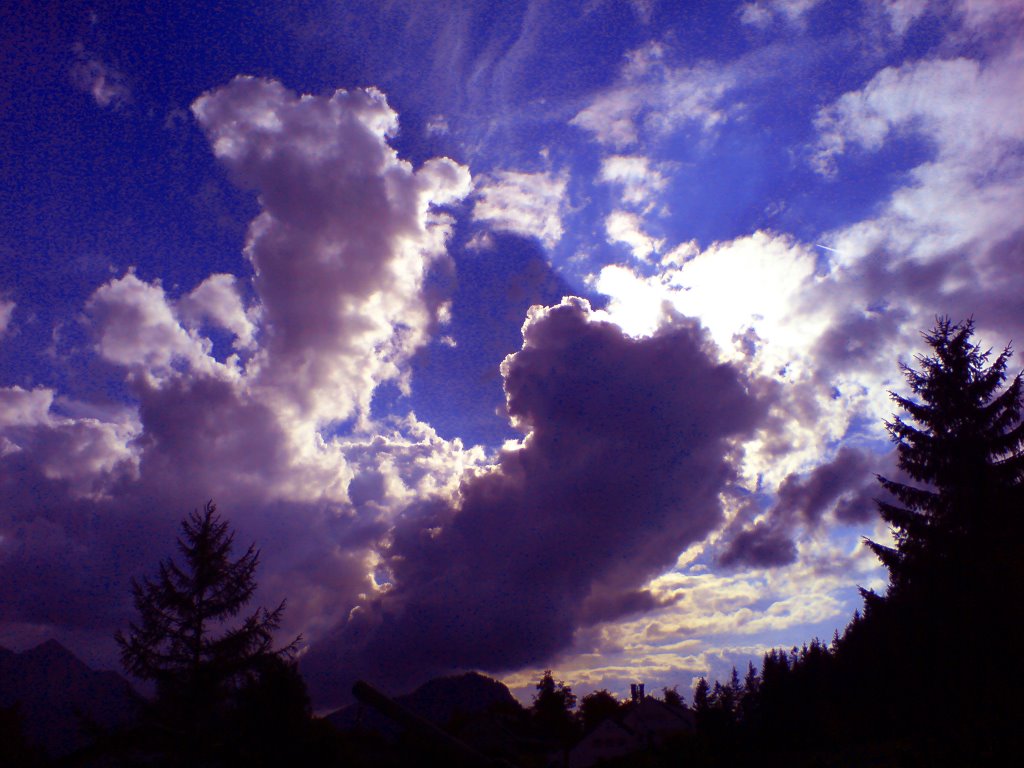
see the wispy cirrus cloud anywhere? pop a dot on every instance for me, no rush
(6, 314)
(527, 204)
(107, 85)
(627, 228)
(761, 13)
(652, 98)
(641, 180)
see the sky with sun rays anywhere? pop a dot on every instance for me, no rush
(521, 335)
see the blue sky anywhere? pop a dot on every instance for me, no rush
(520, 335)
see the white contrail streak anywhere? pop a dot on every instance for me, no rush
(819, 245)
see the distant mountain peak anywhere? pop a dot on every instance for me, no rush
(53, 687)
(439, 700)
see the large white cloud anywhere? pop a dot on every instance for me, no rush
(136, 328)
(216, 300)
(339, 251)
(346, 234)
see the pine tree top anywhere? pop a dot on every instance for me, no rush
(962, 438)
(181, 632)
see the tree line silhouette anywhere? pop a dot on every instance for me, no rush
(926, 674)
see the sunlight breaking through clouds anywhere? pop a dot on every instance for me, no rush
(731, 222)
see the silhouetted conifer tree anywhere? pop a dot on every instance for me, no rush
(181, 641)
(701, 697)
(963, 441)
(944, 627)
(749, 697)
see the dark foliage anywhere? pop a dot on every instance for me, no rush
(672, 697)
(15, 749)
(927, 674)
(225, 695)
(173, 642)
(596, 707)
(962, 440)
(552, 710)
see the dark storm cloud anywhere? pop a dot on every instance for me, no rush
(810, 496)
(622, 467)
(845, 486)
(762, 545)
(69, 550)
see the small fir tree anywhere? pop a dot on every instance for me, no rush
(181, 640)
(701, 696)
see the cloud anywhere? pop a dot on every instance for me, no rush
(627, 448)
(643, 10)
(947, 240)
(6, 313)
(84, 453)
(829, 327)
(843, 488)
(21, 407)
(346, 234)
(903, 13)
(844, 478)
(217, 300)
(626, 227)
(137, 329)
(106, 85)
(641, 180)
(707, 620)
(951, 101)
(763, 274)
(983, 13)
(652, 98)
(761, 545)
(527, 204)
(762, 12)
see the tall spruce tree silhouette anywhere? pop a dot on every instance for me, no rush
(947, 629)
(181, 640)
(965, 445)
